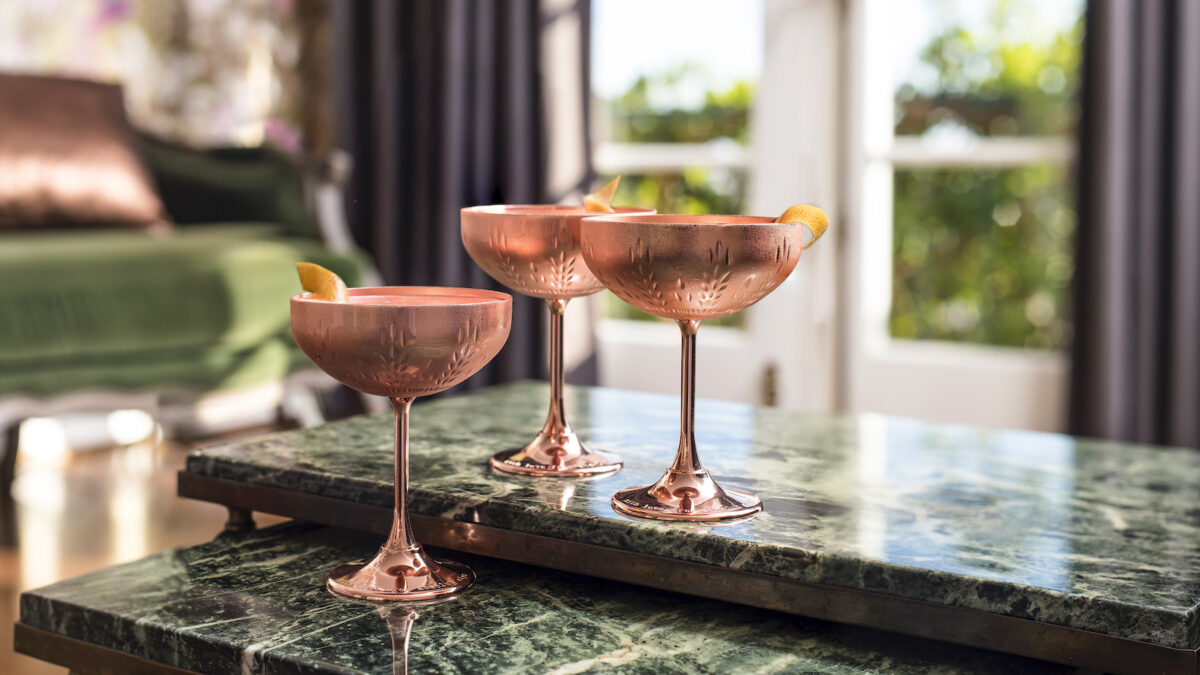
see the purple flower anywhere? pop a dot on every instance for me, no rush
(282, 135)
(112, 11)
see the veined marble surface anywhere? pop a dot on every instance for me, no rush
(254, 603)
(1085, 534)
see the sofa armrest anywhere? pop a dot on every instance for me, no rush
(325, 185)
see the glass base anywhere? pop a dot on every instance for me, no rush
(400, 575)
(556, 455)
(680, 495)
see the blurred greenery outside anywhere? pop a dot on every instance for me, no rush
(979, 255)
(986, 256)
(982, 256)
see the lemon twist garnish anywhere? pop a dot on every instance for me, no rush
(321, 283)
(812, 217)
(600, 201)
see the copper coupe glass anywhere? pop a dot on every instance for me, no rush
(402, 342)
(534, 250)
(689, 268)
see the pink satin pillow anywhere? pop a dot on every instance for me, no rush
(67, 157)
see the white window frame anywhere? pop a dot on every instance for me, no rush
(944, 381)
(788, 343)
(822, 133)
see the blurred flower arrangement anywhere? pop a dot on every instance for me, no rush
(202, 72)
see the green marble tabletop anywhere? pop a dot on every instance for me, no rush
(254, 603)
(1089, 535)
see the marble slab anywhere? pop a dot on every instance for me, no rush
(254, 603)
(1095, 536)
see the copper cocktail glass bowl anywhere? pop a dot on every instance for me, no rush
(689, 268)
(402, 342)
(534, 250)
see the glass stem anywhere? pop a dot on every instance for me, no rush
(686, 458)
(401, 536)
(556, 421)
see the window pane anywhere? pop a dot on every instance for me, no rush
(986, 67)
(983, 256)
(688, 191)
(693, 83)
(690, 83)
(655, 109)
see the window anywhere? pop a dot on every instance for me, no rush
(719, 124)
(938, 134)
(674, 120)
(985, 106)
(959, 155)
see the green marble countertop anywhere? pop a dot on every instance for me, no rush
(1090, 535)
(254, 603)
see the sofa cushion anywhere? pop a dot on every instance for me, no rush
(67, 157)
(212, 368)
(109, 297)
(255, 184)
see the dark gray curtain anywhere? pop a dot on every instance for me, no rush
(441, 105)
(1136, 355)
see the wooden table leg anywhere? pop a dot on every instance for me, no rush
(240, 520)
(9, 438)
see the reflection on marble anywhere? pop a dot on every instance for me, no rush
(254, 603)
(399, 618)
(1085, 534)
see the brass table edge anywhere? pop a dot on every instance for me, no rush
(965, 626)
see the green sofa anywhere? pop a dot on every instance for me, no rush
(202, 309)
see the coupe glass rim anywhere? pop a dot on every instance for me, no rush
(547, 210)
(686, 220)
(469, 296)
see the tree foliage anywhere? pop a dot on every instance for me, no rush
(985, 256)
(981, 256)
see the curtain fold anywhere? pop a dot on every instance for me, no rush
(442, 105)
(1136, 355)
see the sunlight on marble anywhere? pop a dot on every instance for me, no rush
(871, 471)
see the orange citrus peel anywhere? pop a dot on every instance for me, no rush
(600, 201)
(812, 217)
(321, 283)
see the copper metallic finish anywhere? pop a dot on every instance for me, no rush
(534, 250)
(403, 351)
(439, 338)
(689, 268)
